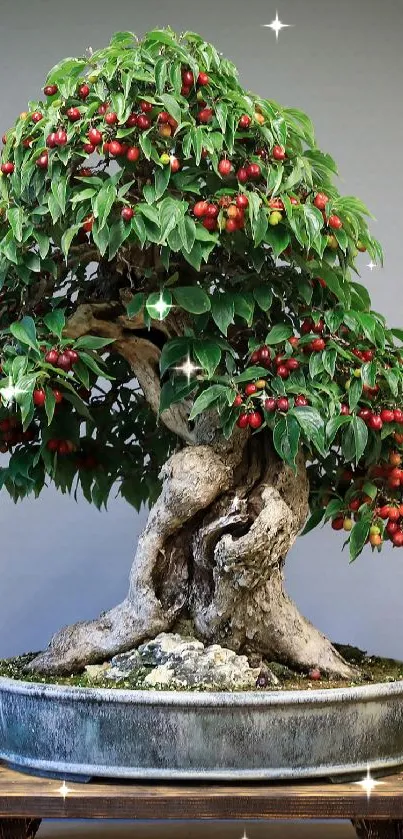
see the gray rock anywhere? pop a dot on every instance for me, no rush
(180, 663)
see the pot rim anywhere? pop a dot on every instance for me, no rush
(189, 698)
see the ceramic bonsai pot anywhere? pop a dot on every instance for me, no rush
(88, 732)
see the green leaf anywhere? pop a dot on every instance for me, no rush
(310, 421)
(244, 306)
(192, 299)
(286, 439)
(172, 352)
(354, 393)
(135, 304)
(222, 311)
(50, 404)
(334, 424)
(90, 362)
(55, 322)
(118, 233)
(278, 333)
(250, 374)
(171, 105)
(314, 519)
(25, 332)
(91, 342)
(355, 439)
(329, 361)
(209, 397)
(175, 391)
(208, 354)
(159, 304)
(358, 537)
(161, 180)
(263, 297)
(103, 202)
(15, 216)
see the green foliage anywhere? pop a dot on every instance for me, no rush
(212, 217)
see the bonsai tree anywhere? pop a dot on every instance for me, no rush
(181, 319)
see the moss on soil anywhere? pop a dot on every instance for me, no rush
(371, 669)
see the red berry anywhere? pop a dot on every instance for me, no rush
(187, 77)
(39, 397)
(73, 356)
(36, 116)
(225, 167)
(88, 148)
(51, 357)
(103, 109)
(250, 388)
(95, 136)
(132, 120)
(237, 401)
(83, 91)
(282, 403)
(58, 396)
(318, 344)
(270, 404)
(7, 168)
(174, 163)
(368, 355)
(387, 415)
(231, 225)
(73, 114)
(146, 107)
(337, 523)
(52, 445)
(127, 213)
(133, 154)
(163, 117)
(242, 175)
(264, 353)
(283, 371)
(279, 153)
(300, 401)
(397, 539)
(210, 223)
(375, 422)
(88, 223)
(320, 201)
(42, 161)
(344, 410)
(143, 122)
(253, 171)
(203, 79)
(294, 341)
(244, 121)
(242, 201)
(64, 447)
(291, 364)
(398, 415)
(335, 222)
(242, 421)
(255, 419)
(111, 118)
(61, 137)
(212, 210)
(200, 209)
(392, 527)
(255, 356)
(50, 89)
(64, 362)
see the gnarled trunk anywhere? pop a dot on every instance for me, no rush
(213, 551)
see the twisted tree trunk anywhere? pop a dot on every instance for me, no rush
(213, 549)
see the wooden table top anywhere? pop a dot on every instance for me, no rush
(26, 795)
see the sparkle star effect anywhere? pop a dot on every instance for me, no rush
(371, 265)
(276, 25)
(9, 392)
(64, 789)
(188, 368)
(161, 307)
(368, 783)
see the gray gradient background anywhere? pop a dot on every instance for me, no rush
(342, 63)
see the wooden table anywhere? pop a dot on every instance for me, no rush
(25, 800)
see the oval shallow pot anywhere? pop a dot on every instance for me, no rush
(87, 732)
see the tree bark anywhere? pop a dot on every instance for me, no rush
(215, 543)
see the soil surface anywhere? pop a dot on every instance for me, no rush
(370, 669)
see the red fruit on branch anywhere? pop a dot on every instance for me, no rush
(115, 148)
(103, 109)
(95, 137)
(253, 171)
(392, 527)
(83, 91)
(51, 357)
(42, 161)
(187, 77)
(250, 389)
(225, 167)
(50, 89)
(344, 409)
(58, 396)
(52, 445)
(335, 222)
(237, 401)
(231, 225)
(133, 154)
(321, 200)
(270, 404)
(205, 115)
(88, 148)
(203, 79)
(39, 397)
(397, 539)
(73, 114)
(242, 175)
(375, 422)
(145, 106)
(255, 419)
(200, 209)
(36, 117)
(212, 210)
(398, 415)
(127, 213)
(64, 362)
(242, 421)
(282, 404)
(88, 223)
(210, 223)
(174, 163)
(61, 137)
(242, 201)
(111, 118)
(143, 122)
(338, 523)
(73, 356)
(292, 364)
(283, 371)
(244, 122)
(279, 153)
(7, 168)
(318, 344)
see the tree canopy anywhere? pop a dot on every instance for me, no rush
(149, 187)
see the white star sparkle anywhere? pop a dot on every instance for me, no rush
(368, 783)
(276, 25)
(9, 392)
(188, 368)
(161, 307)
(371, 265)
(64, 789)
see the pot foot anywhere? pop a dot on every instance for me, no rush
(378, 829)
(18, 828)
